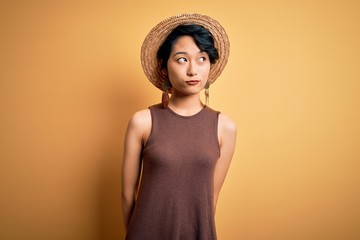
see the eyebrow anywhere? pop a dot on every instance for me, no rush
(179, 53)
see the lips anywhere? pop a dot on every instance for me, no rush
(192, 82)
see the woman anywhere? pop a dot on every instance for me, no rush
(177, 153)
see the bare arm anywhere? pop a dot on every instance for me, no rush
(138, 130)
(227, 139)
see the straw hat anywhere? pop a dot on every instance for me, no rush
(158, 34)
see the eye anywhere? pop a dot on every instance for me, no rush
(202, 59)
(182, 59)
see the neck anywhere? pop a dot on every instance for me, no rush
(185, 105)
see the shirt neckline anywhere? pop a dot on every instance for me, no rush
(185, 116)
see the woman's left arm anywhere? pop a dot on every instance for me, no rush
(227, 140)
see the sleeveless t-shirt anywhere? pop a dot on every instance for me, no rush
(176, 195)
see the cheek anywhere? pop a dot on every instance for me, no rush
(171, 68)
(176, 71)
(206, 70)
(172, 73)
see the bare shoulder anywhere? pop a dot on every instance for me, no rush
(141, 117)
(140, 121)
(226, 124)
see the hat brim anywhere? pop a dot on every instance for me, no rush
(158, 34)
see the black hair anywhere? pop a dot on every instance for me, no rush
(202, 37)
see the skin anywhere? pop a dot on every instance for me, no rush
(188, 70)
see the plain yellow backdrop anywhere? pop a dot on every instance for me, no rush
(70, 78)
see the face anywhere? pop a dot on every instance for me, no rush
(188, 67)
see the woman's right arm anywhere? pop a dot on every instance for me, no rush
(138, 130)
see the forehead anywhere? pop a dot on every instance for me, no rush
(185, 43)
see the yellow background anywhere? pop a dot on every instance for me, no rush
(70, 78)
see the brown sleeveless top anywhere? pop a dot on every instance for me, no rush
(176, 194)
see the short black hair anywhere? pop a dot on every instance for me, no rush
(202, 37)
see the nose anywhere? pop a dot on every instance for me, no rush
(191, 71)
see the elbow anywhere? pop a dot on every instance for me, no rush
(127, 198)
(216, 197)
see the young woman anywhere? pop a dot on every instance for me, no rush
(177, 153)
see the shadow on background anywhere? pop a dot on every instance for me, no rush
(121, 105)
